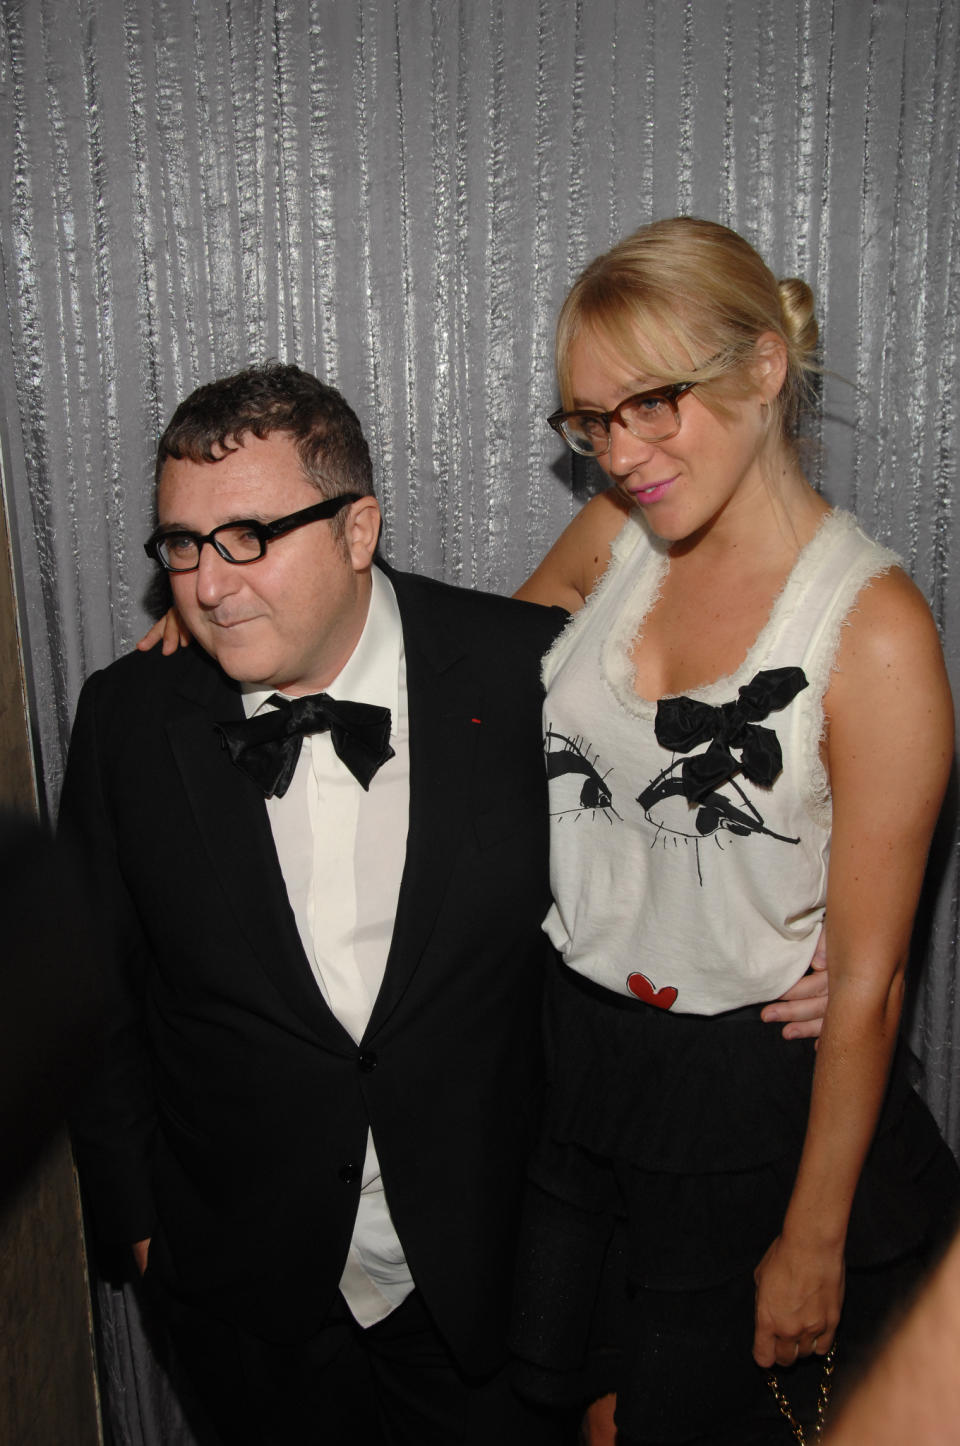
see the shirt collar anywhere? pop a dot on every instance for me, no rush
(372, 672)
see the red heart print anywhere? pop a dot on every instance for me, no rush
(641, 986)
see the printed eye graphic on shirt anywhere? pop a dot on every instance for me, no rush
(576, 784)
(666, 806)
(697, 797)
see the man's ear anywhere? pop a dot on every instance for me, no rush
(769, 365)
(362, 532)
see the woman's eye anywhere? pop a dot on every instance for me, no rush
(648, 406)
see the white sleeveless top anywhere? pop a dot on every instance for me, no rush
(692, 872)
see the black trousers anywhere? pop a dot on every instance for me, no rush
(394, 1384)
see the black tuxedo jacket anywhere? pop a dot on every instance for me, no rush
(230, 1116)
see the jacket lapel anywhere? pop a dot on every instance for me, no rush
(445, 703)
(230, 816)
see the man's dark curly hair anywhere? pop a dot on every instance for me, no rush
(273, 397)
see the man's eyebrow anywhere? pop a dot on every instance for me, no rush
(225, 522)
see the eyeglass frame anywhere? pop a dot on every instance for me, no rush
(671, 393)
(263, 531)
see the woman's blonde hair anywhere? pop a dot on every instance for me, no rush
(686, 300)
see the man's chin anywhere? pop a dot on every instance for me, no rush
(256, 668)
(242, 665)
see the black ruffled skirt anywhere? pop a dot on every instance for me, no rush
(666, 1162)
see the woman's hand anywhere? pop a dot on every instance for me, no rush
(799, 1296)
(801, 1007)
(171, 629)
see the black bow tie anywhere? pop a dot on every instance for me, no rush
(267, 746)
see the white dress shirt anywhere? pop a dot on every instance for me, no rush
(342, 851)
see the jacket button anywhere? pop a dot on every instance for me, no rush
(350, 1173)
(367, 1061)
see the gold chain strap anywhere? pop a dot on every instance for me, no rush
(823, 1400)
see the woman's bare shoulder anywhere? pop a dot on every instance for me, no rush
(890, 626)
(579, 557)
(890, 747)
(890, 680)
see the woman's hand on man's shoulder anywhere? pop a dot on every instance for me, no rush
(169, 630)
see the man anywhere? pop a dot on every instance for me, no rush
(315, 1107)
(319, 1091)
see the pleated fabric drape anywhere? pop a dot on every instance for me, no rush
(396, 194)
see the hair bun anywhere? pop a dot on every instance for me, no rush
(796, 301)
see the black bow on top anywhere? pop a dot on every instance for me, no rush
(267, 746)
(682, 723)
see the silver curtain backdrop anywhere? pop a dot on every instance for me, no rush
(396, 194)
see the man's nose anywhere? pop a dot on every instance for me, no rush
(215, 577)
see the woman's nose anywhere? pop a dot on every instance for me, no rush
(626, 450)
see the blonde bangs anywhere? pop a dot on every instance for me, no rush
(652, 337)
(685, 300)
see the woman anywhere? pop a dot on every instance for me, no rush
(748, 726)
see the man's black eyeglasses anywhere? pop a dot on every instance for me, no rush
(240, 542)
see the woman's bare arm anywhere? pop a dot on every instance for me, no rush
(579, 557)
(890, 745)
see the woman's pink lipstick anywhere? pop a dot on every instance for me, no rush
(643, 496)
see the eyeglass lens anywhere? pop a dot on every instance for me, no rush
(180, 551)
(652, 418)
